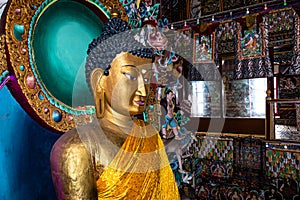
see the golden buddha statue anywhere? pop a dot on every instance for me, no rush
(118, 155)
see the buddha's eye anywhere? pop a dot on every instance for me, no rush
(147, 76)
(147, 80)
(129, 76)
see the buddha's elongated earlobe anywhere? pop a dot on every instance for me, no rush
(98, 91)
(99, 102)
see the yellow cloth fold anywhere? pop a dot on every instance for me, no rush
(140, 170)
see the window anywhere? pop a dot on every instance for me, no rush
(206, 99)
(239, 99)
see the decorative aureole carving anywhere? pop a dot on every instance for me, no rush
(19, 23)
(3, 62)
(116, 5)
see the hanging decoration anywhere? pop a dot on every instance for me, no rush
(283, 161)
(225, 37)
(281, 35)
(295, 68)
(204, 45)
(204, 48)
(202, 64)
(252, 56)
(245, 59)
(183, 42)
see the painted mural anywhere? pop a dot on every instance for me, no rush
(207, 167)
(203, 48)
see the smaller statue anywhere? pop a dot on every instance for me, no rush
(176, 136)
(172, 111)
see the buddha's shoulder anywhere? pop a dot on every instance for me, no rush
(69, 143)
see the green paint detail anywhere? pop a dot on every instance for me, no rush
(102, 8)
(3, 75)
(18, 31)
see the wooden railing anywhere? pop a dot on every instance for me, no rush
(283, 119)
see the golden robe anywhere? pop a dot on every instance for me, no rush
(140, 170)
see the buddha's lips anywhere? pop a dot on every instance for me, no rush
(139, 102)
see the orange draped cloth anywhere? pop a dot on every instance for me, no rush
(140, 170)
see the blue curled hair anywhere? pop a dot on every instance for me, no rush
(115, 38)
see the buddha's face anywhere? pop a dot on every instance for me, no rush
(127, 84)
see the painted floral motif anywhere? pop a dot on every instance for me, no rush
(148, 2)
(140, 11)
(157, 40)
(276, 19)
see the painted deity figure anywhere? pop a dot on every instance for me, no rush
(118, 155)
(169, 104)
(273, 194)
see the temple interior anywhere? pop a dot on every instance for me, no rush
(233, 68)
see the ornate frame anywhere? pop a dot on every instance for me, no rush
(187, 50)
(241, 49)
(27, 87)
(211, 47)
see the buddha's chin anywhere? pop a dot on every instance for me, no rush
(137, 108)
(137, 111)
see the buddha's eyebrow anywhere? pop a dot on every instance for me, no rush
(134, 67)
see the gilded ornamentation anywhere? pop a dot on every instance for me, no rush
(19, 19)
(19, 57)
(3, 63)
(154, 111)
(115, 4)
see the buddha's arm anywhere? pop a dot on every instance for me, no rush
(72, 169)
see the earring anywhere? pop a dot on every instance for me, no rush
(99, 103)
(145, 116)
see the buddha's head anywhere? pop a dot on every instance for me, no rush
(119, 70)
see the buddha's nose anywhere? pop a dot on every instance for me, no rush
(141, 90)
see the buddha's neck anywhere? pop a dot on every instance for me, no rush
(117, 119)
(115, 125)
